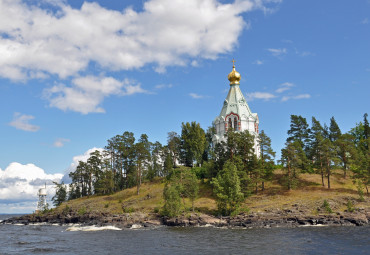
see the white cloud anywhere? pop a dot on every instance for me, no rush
(87, 93)
(37, 40)
(258, 62)
(60, 142)
(21, 122)
(284, 87)
(76, 159)
(278, 52)
(300, 96)
(260, 95)
(196, 96)
(365, 21)
(20, 183)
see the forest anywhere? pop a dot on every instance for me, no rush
(231, 168)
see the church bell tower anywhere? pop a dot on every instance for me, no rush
(236, 114)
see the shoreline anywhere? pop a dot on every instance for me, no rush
(243, 220)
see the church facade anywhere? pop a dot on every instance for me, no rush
(236, 114)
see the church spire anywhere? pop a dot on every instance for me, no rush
(234, 76)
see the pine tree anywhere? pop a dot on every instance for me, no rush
(334, 130)
(291, 158)
(226, 187)
(346, 151)
(266, 160)
(60, 194)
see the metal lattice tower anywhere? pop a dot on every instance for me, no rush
(41, 204)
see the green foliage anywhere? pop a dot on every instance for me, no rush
(360, 190)
(334, 130)
(171, 195)
(291, 158)
(350, 207)
(106, 205)
(299, 131)
(60, 194)
(226, 187)
(82, 211)
(326, 206)
(193, 143)
(182, 183)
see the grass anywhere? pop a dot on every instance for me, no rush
(309, 196)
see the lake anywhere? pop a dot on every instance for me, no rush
(46, 239)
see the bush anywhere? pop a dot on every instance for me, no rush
(172, 199)
(82, 211)
(350, 206)
(327, 207)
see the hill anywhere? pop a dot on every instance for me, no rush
(308, 204)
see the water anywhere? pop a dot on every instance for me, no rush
(44, 239)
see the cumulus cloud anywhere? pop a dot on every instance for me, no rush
(87, 93)
(76, 159)
(60, 142)
(278, 52)
(259, 95)
(21, 122)
(49, 38)
(64, 42)
(20, 183)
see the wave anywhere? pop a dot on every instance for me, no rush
(91, 228)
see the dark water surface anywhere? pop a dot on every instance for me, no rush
(43, 239)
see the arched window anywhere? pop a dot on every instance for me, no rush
(230, 124)
(235, 124)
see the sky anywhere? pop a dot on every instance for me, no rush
(75, 73)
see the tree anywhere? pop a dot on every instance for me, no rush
(174, 146)
(172, 200)
(142, 153)
(60, 194)
(193, 143)
(266, 160)
(328, 154)
(226, 187)
(291, 158)
(299, 130)
(334, 130)
(346, 151)
(191, 186)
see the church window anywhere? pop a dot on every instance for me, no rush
(235, 124)
(230, 123)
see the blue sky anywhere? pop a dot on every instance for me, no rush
(76, 73)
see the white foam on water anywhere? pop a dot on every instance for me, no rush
(136, 226)
(317, 225)
(91, 228)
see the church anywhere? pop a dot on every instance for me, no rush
(236, 114)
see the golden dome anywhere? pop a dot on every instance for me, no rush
(234, 76)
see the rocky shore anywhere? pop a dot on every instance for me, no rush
(279, 218)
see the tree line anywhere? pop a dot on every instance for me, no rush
(231, 167)
(321, 148)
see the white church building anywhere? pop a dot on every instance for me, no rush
(236, 114)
